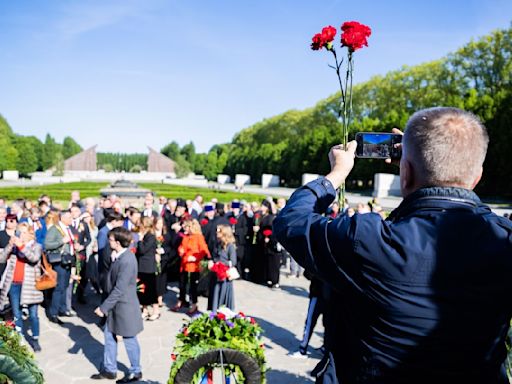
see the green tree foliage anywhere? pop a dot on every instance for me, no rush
(51, 149)
(38, 148)
(121, 161)
(70, 147)
(8, 154)
(27, 161)
(477, 78)
(171, 150)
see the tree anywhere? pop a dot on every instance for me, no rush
(50, 151)
(70, 147)
(171, 150)
(189, 154)
(27, 159)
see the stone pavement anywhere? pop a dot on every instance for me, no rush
(72, 352)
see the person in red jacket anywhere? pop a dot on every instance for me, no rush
(192, 250)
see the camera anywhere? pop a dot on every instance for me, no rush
(371, 145)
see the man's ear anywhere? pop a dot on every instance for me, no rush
(477, 179)
(407, 179)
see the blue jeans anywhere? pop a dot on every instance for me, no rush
(15, 298)
(59, 293)
(110, 353)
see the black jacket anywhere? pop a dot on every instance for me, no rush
(425, 295)
(146, 251)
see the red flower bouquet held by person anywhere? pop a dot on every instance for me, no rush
(220, 270)
(354, 36)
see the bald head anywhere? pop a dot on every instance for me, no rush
(443, 147)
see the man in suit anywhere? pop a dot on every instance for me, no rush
(114, 220)
(121, 308)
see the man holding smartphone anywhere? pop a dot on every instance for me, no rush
(424, 294)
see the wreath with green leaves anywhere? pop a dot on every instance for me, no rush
(228, 337)
(17, 363)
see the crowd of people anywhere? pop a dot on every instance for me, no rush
(201, 245)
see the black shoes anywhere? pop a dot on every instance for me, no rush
(130, 378)
(35, 345)
(66, 314)
(104, 375)
(56, 320)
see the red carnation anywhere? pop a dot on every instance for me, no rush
(267, 232)
(173, 357)
(220, 270)
(253, 321)
(233, 221)
(241, 314)
(204, 222)
(324, 38)
(318, 42)
(10, 324)
(185, 332)
(355, 35)
(221, 316)
(328, 34)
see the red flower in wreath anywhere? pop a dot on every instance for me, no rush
(355, 35)
(10, 324)
(253, 321)
(173, 357)
(221, 316)
(185, 332)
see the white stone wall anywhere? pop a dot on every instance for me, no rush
(385, 184)
(307, 177)
(268, 180)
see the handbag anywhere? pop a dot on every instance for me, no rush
(232, 273)
(67, 259)
(49, 277)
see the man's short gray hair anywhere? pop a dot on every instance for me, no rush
(446, 146)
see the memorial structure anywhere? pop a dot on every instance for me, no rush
(83, 161)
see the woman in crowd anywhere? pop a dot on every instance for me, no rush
(91, 251)
(163, 251)
(23, 256)
(146, 255)
(268, 247)
(192, 250)
(225, 253)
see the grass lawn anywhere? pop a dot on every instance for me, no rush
(62, 192)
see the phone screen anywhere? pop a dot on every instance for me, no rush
(378, 145)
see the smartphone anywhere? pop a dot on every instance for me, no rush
(372, 145)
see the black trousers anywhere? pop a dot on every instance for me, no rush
(192, 279)
(273, 263)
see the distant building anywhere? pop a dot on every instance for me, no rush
(160, 163)
(83, 161)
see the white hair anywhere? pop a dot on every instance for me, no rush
(446, 146)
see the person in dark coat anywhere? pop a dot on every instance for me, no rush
(268, 249)
(243, 237)
(210, 230)
(114, 220)
(121, 307)
(146, 256)
(426, 292)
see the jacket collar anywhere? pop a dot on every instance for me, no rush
(437, 197)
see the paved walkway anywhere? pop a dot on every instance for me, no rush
(72, 352)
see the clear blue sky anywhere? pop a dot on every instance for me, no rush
(129, 73)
